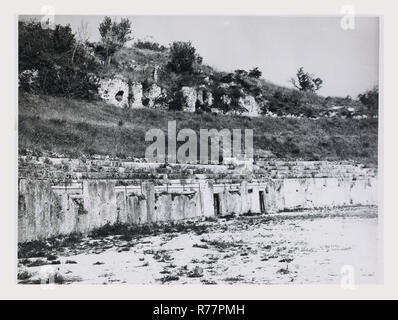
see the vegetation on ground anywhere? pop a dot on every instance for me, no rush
(79, 128)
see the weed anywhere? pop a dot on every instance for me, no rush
(168, 278)
(197, 272)
(23, 275)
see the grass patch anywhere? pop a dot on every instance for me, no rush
(77, 127)
(43, 248)
(127, 232)
(23, 275)
(168, 278)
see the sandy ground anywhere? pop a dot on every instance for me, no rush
(306, 247)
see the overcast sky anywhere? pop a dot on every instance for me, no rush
(346, 60)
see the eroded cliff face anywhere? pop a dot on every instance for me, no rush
(119, 92)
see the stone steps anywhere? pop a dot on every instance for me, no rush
(109, 169)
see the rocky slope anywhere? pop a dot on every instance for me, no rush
(139, 78)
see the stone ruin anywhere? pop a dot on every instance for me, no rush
(118, 92)
(115, 91)
(94, 193)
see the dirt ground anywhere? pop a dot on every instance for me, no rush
(307, 247)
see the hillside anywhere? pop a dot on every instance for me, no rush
(145, 74)
(136, 66)
(78, 128)
(80, 99)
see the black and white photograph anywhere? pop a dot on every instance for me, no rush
(198, 149)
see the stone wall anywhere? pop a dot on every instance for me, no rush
(46, 210)
(136, 96)
(115, 91)
(325, 192)
(154, 92)
(191, 96)
(120, 93)
(249, 103)
(232, 169)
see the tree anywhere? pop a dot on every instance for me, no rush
(149, 45)
(82, 36)
(306, 82)
(236, 94)
(182, 57)
(240, 73)
(255, 73)
(114, 36)
(219, 95)
(370, 99)
(44, 62)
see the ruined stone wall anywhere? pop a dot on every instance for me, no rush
(324, 192)
(45, 210)
(115, 91)
(120, 93)
(99, 201)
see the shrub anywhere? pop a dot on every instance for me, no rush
(113, 36)
(370, 99)
(182, 57)
(149, 45)
(255, 73)
(306, 82)
(145, 101)
(24, 274)
(282, 103)
(177, 101)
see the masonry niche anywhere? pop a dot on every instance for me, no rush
(262, 201)
(119, 95)
(216, 203)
